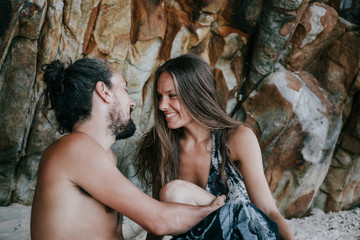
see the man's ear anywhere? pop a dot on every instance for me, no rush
(103, 91)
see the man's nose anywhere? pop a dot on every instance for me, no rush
(132, 104)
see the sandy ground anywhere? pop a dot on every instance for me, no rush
(15, 225)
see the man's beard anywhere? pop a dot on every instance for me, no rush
(125, 130)
(118, 128)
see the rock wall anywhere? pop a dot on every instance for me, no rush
(290, 69)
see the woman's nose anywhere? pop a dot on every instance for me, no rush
(163, 105)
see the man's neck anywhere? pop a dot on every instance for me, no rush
(100, 135)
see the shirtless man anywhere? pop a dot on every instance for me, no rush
(79, 190)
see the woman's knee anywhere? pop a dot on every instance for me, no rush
(173, 191)
(181, 191)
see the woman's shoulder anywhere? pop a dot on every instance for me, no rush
(241, 131)
(242, 142)
(241, 135)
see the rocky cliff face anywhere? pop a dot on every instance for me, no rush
(290, 69)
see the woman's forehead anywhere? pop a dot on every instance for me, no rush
(165, 82)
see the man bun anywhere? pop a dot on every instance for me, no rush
(54, 77)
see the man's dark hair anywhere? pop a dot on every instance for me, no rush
(69, 89)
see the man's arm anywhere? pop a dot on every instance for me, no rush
(119, 226)
(92, 170)
(156, 195)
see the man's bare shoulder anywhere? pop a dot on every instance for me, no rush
(69, 152)
(74, 140)
(72, 144)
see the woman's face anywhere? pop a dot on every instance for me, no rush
(174, 112)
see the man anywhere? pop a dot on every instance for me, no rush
(79, 190)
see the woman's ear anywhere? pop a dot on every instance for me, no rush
(103, 91)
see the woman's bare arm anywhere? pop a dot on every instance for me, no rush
(246, 155)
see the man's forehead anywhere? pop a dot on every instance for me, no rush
(117, 78)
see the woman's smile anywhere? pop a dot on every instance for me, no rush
(170, 116)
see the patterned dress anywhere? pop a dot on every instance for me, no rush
(238, 218)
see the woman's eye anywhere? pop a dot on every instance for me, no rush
(172, 95)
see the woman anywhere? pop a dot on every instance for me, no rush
(194, 140)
